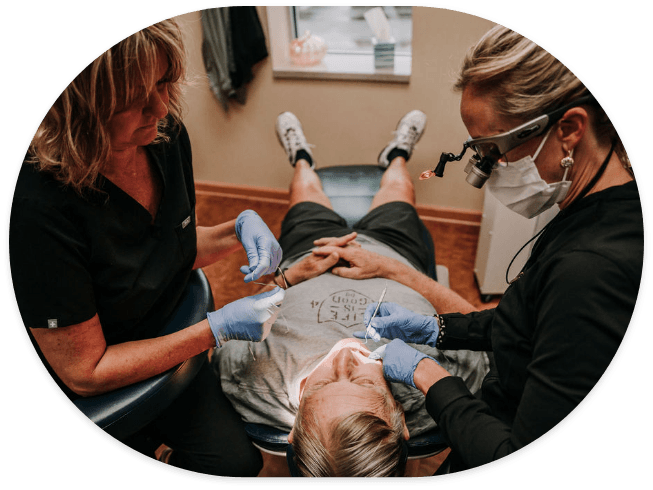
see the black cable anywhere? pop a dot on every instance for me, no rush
(519, 251)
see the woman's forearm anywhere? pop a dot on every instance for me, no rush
(83, 361)
(215, 243)
(130, 362)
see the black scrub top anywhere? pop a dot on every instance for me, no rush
(72, 256)
(553, 334)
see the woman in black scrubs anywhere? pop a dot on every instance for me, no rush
(103, 239)
(561, 320)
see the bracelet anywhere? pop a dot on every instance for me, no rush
(283, 275)
(441, 332)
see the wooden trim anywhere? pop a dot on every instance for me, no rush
(239, 191)
(445, 214)
(441, 214)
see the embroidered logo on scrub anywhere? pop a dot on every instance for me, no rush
(346, 308)
(185, 223)
(52, 323)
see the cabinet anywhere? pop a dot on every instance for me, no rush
(503, 232)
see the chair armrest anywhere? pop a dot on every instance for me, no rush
(124, 411)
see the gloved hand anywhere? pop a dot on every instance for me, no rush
(396, 322)
(244, 318)
(399, 361)
(263, 250)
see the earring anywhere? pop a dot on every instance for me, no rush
(567, 161)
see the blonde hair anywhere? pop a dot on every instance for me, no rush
(72, 143)
(525, 81)
(360, 444)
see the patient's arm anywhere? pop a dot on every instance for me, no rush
(308, 268)
(364, 264)
(316, 265)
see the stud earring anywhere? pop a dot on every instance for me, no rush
(567, 161)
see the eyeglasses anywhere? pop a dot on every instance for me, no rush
(490, 149)
(498, 145)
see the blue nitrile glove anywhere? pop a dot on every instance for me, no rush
(399, 361)
(396, 322)
(263, 250)
(244, 318)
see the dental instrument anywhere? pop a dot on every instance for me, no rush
(376, 310)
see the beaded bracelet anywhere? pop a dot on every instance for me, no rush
(441, 333)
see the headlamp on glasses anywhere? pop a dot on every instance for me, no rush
(490, 149)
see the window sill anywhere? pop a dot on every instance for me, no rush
(347, 66)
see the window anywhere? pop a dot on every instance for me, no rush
(348, 37)
(345, 29)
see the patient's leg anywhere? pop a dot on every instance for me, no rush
(306, 186)
(396, 185)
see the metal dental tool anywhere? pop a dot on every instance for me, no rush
(376, 310)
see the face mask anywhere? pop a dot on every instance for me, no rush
(519, 187)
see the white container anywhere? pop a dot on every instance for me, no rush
(502, 234)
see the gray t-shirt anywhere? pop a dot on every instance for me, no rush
(263, 384)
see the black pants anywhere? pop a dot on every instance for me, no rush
(205, 432)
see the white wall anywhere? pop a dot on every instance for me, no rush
(348, 122)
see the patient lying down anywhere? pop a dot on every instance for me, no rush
(310, 378)
(347, 403)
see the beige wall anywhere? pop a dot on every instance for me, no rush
(348, 122)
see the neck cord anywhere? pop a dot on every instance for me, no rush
(583, 193)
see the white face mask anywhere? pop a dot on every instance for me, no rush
(519, 187)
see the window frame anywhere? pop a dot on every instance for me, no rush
(335, 65)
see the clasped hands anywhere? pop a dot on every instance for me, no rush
(354, 262)
(264, 254)
(317, 264)
(243, 319)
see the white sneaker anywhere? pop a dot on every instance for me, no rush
(291, 136)
(409, 131)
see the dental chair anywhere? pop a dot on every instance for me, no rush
(123, 412)
(351, 190)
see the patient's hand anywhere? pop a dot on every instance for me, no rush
(312, 266)
(343, 241)
(360, 263)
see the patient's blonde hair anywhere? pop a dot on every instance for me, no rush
(525, 81)
(72, 142)
(360, 444)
